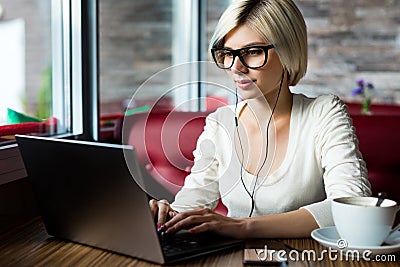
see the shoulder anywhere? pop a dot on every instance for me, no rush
(324, 114)
(323, 106)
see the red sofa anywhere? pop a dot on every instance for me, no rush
(164, 142)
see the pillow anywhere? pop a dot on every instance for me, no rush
(14, 117)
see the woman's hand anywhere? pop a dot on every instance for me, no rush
(162, 211)
(297, 223)
(204, 219)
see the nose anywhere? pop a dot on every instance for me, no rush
(238, 66)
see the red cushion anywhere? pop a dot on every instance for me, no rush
(48, 126)
(164, 143)
(379, 144)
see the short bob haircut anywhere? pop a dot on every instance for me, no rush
(279, 22)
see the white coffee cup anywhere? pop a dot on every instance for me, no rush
(360, 222)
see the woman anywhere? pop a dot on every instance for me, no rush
(276, 158)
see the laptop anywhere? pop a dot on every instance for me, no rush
(88, 194)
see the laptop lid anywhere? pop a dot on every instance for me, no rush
(87, 194)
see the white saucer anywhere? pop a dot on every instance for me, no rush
(328, 237)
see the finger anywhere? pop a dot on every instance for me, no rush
(163, 201)
(163, 210)
(162, 216)
(188, 219)
(187, 222)
(182, 215)
(172, 213)
(153, 206)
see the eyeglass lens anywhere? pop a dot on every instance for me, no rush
(252, 57)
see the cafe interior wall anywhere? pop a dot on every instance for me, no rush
(348, 41)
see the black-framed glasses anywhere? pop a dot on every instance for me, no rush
(252, 57)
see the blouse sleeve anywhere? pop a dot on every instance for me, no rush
(201, 188)
(336, 144)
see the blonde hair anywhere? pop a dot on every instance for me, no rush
(279, 22)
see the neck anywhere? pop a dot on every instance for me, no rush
(263, 106)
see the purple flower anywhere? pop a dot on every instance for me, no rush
(364, 90)
(363, 87)
(357, 91)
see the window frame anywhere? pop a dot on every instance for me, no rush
(189, 31)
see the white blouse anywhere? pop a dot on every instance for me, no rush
(322, 162)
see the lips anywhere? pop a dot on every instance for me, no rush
(243, 84)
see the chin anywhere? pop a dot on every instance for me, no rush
(250, 93)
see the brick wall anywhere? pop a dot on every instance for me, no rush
(135, 43)
(349, 40)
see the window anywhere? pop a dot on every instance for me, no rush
(219, 92)
(150, 52)
(42, 77)
(26, 67)
(25, 78)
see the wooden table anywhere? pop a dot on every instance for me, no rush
(30, 245)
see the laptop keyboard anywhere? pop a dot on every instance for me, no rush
(183, 242)
(186, 245)
(179, 243)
